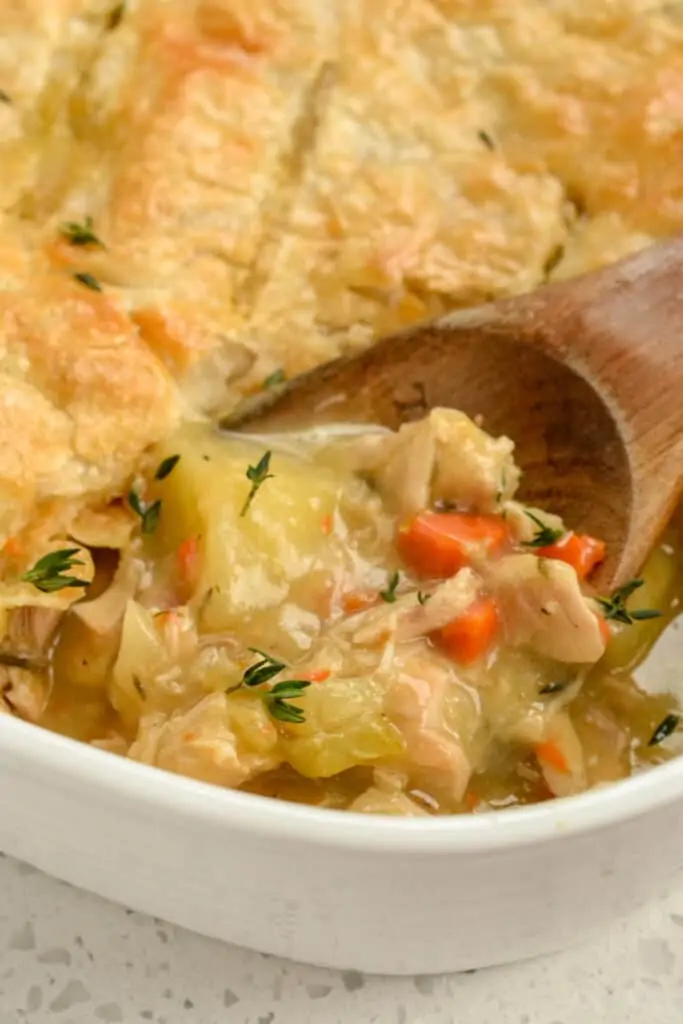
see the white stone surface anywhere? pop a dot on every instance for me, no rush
(69, 958)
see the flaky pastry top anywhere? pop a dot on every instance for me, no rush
(271, 183)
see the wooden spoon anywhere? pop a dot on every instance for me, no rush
(586, 376)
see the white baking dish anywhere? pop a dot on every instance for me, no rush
(331, 888)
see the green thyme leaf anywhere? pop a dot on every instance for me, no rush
(263, 671)
(545, 536)
(614, 607)
(276, 698)
(283, 711)
(80, 234)
(265, 655)
(423, 597)
(166, 467)
(47, 574)
(555, 686)
(149, 514)
(115, 17)
(389, 595)
(258, 475)
(665, 728)
(139, 687)
(289, 688)
(5, 97)
(89, 281)
(273, 379)
(486, 139)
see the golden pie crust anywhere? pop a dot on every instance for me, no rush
(278, 181)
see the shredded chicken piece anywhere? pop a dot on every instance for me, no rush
(24, 680)
(387, 796)
(447, 601)
(437, 716)
(442, 458)
(220, 740)
(382, 661)
(542, 606)
(30, 630)
(153, 670)
(106, 612)
(407, 619)
(24, 691)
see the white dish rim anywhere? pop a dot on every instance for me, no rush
(80, 766)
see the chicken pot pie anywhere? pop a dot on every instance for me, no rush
(200, 199)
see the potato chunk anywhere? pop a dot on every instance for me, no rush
(292, 535)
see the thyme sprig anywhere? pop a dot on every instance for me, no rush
(273, 379)
(166, 467)
(545, 535)
(614, 607)
(666, 727)
(88, 281)
(80, 234)
(47, 574)
(276, 698)
(149, 514)
(257, 475)
(389, 595)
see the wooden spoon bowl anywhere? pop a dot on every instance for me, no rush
(586, 376)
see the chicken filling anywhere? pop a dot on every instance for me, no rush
(357, 619)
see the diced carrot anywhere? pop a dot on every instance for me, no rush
(358, 601)
(471, 635)
(188, 560)
(438, 544)
(315, 675)
(549, 753)
(580, 551)
(12, 547)
(326, 524)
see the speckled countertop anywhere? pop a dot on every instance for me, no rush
(70, 958)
